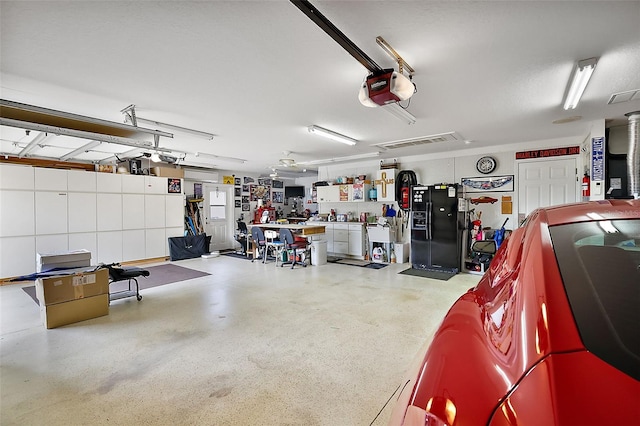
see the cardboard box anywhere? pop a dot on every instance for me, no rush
(64, 288)
(74, 311)
(168, 172)
(70, 259)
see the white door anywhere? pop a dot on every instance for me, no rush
(546, 183)
(218, 216)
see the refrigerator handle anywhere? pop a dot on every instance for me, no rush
(429, 208)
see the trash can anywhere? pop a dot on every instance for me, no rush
(318, 253)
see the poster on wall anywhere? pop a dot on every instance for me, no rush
(237, 181)
(488, 184)
(248, 179)
(246, 207)
(237, 204)
(344, 193)
(597, 159)
(277, 196)
(175, 186)
(245, 189)
(237, 191)
(260, 192)
(228, 180)
(245, 199)
(278, 184)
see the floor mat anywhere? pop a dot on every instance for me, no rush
(158, 275)
(438, 275)
(236, 255)
(357, 262)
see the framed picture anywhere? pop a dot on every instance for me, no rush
(277, 196)
(174, 186)
(264, 181)
(248, 179)
(260, 192)
(488, 184)
(245, 189)
(228, 180)
(238, 204)
(237, 181)
(277, 184)
(246, 207)
(237, 191)
(245, 199)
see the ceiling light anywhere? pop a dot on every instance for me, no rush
(581, 75)
(340, 159)
(400, 113)
(331, 135)
(220, 157)
(35, 143)
(155, 157)
(82, 149)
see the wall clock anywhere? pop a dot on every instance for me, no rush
(486, 165)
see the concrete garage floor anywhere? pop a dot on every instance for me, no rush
(251, 344)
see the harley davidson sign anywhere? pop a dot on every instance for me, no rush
(552, 152)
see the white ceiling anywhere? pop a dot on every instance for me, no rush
(258, 73)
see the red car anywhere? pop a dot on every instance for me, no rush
(549, 336)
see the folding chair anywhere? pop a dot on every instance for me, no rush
(273, 245)
(258, 241)
(298, 248)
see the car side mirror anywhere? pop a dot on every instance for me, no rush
(484, 247)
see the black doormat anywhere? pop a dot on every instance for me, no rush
(236, 255)
(158, 275)
(424, 273)
(357, 262)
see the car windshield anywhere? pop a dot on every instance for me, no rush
(600, 266)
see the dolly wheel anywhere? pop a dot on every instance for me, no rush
(139, 297)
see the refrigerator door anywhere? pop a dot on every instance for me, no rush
(444, 229)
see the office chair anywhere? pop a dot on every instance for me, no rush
(259, 242)
(298, 248)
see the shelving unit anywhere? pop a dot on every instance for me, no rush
(193, 218)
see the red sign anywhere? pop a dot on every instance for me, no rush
(552, 152)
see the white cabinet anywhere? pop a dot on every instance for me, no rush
(17, 256)
(174, 211)
(345, 239)
(17, 213)
(133, 245)
(109, 247)
(356, 242)
(56, 243)
(51, 212)
(328, 194)
(16, 177)
(82, 211)
(155, 242)
(81, 181)
(156, 185)
(133, 211)
(109, 182)
(133, 184)
(343, 193)
(85, 241)
(50, 179)
(109, 212)
(154, 211)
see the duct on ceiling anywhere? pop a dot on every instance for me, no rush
(633, 156)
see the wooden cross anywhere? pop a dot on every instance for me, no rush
(383, 181)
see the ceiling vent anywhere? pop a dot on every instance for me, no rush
(629, 95)
(424, 140)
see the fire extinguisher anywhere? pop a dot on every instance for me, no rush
(586, 185)
(404, 202)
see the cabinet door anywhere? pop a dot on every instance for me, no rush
(109, 182)
(174, 211)
(133, 184)
(109, 212)
(81, 181)
(17, 256)
(82, 212)
(133, 245)
(155, 242)
(341, 247)
(51, 213)
(341, 235)
(356, 243)
(133, 210)
(328, 194)
(156, 185)
(109, 247)
(328, 233)
(16, 211)
(154, 211)
(16, 177)
(50, 179)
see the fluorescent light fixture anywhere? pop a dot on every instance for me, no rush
(340, 159)
(581, 75)
(82, 149)
(400, 113)
(320, 131)
(35, 143)
(220, 157)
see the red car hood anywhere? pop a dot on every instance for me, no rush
(572, 389)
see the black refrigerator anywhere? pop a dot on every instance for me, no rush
(435, 228)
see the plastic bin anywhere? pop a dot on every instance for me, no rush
(318, 253)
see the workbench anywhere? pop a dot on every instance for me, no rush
(302, 230)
